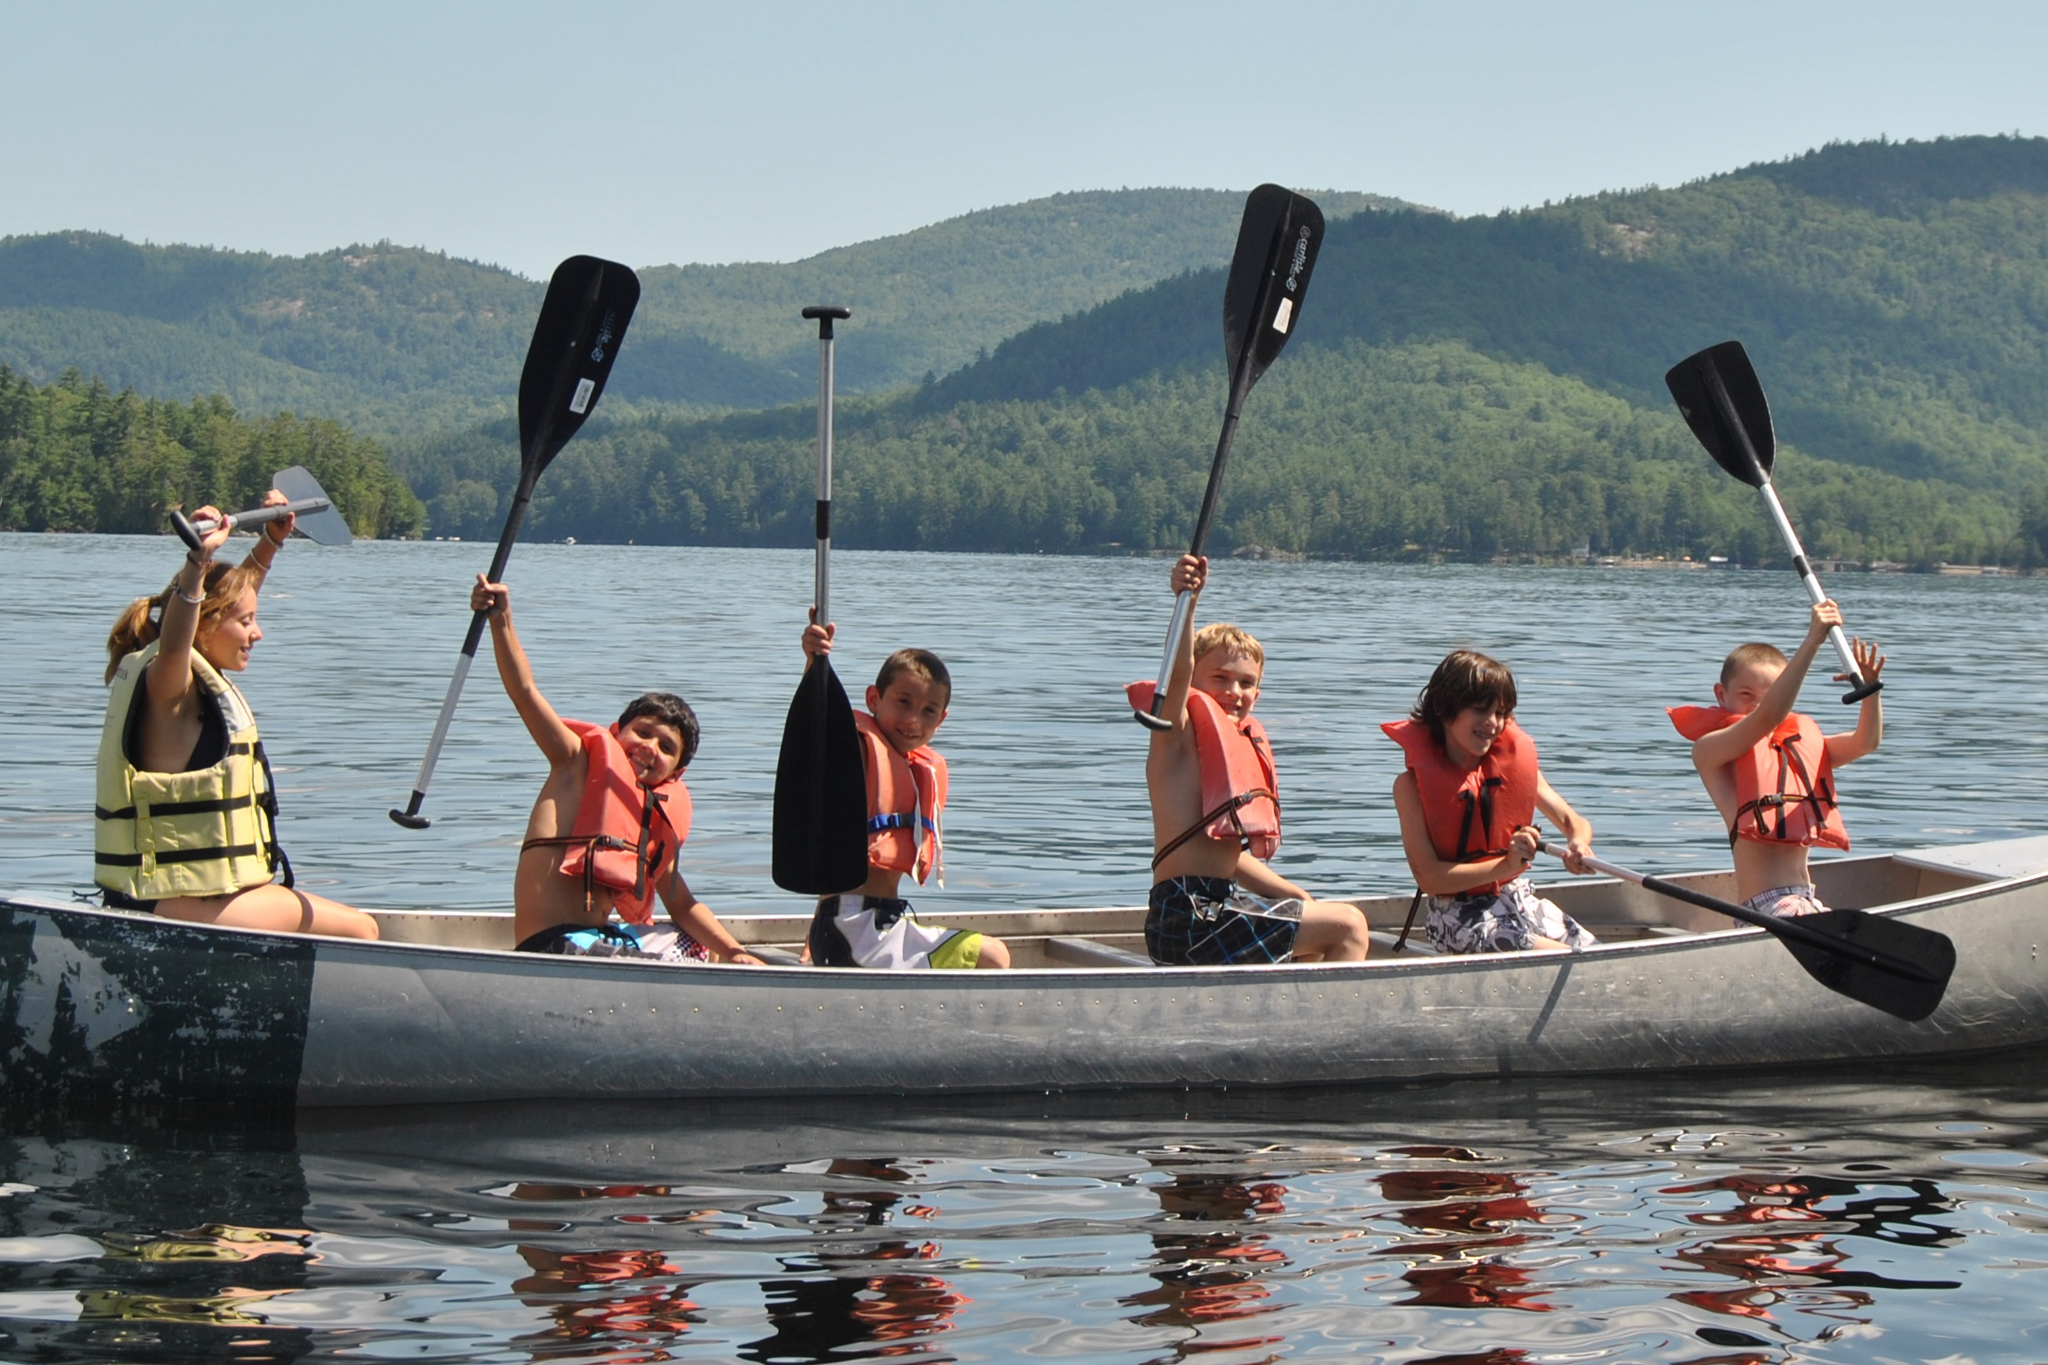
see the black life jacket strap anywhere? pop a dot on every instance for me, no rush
(1483, 807)
(1229, 808)
(1818, 796)
(1409, 924)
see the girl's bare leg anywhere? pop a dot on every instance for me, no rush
(273, 907)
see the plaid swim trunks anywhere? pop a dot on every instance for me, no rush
(1208, 922)
(1787, 900)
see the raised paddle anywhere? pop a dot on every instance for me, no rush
(317, 519)
(582, 321)
(1277, 241)
(820, 839)
(1723, 402)
(1887, 964)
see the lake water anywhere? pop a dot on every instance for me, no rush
(1833, 1215)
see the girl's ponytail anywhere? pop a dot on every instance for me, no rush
(139, 625)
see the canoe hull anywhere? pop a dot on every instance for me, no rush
(136, 1008)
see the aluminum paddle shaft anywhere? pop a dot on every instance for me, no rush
(821, 595)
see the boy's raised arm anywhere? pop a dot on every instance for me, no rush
(1726, 745)
(1189, 574)
(557, 741)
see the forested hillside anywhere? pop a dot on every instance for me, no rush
(1894, 298)
(1414, 449)
(1479, 386)
(76, 456)
(400, 341)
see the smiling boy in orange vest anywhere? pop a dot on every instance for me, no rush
(608, 823)
(906, 782)
(1216, 816)
(1770, 771)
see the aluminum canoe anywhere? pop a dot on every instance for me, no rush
(100, 1005)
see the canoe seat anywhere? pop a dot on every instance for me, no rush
(1383, 941)
(774, 957)
(1086, 952)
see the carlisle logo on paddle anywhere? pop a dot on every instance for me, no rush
(604, 339)
(1300, 259)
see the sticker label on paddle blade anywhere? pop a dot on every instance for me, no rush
(581, 402)
(1284, 315)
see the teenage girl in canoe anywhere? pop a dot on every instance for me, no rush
(185, 810)
(1467, 799)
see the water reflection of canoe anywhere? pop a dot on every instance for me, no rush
(102, 1003)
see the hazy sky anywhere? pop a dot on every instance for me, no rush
(761, 130)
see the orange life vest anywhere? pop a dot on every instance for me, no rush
(618, 839)
(1472, 813)
(906, 796)
(1784, 786)
(1240, 786)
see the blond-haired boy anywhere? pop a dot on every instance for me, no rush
(1770, 771)
(1216, 816)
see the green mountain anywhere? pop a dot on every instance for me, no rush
(399, 342)
(1893, 295)
(1479, 386)
(930, 301)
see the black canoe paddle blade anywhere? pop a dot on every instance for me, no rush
(575, 341)
(1691, 382)
(1896, 995)
(820, 840)
(1277, 242)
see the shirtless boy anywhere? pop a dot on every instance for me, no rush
(1770, 770)
(594, 843)
(1216, 816)
(906, 781)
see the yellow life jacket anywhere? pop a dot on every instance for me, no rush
(209, 832)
